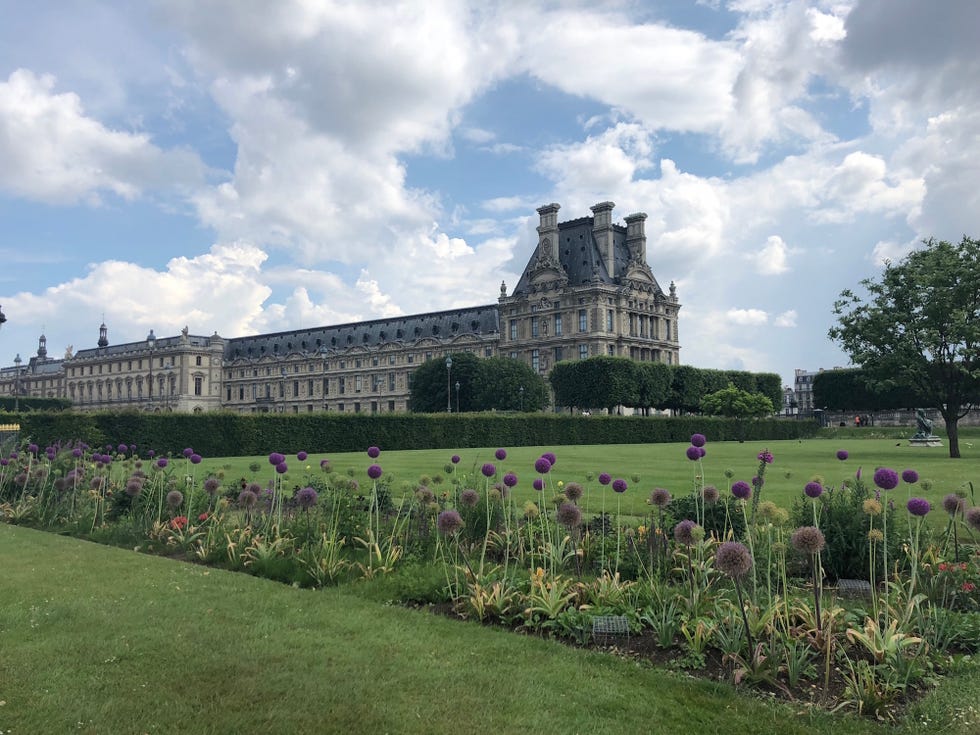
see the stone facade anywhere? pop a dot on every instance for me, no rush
(586, 291)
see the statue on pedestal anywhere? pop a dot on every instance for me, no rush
(923, 426)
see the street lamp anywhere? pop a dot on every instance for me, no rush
(457, 396)
(17, 362)
(521, 391)
(151, 342)
(449, 394)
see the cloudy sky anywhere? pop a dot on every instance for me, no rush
(243, 166)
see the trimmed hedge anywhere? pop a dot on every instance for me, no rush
(231, 434)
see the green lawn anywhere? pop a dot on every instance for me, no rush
(103, 640)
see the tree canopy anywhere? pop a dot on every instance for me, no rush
(918, 328)
(484, 385)
(736, 403)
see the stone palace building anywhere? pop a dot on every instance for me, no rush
(587, 290)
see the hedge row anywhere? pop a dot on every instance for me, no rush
(228, 434)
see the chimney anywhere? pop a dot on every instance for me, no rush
(636, 237)
(602, 230)
(548, 232)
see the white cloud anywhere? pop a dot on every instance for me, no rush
(890, 251)
(771, 259)
(786, 319)
(747, 317)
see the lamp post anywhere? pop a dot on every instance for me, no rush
(449, 395)
(151, 342)
(17, 362)
(521, 391)
(457, 396)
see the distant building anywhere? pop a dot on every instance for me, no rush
(587, 290)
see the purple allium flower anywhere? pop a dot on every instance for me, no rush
(454, 459)
(162, 462)
(710, 494)
(33, 449)
(324, 463)
(61, 484)
(813, 489)
(574, 491)
(842, 454)
(510, 479)
(972, 517)
(151, 454)
(604, 478)
(76, 452)
(702, 451)
(374, 452)
(886, 478)
(569, 515)
(734, 559)
(133, 487)
(306, 498)
(500, 454)
(918, 506)
(132, 447)
(684, 532)
(275, 458)
(247, 498)
(195, 458)
(175, 498)
(424, 494)
(808, 540)
(301, 456)
(211, 485)
(758, 482)
(4, 462)
(374, 471)
(619, 485)
(765, 456)
(255, 488)
(698, 440)
(469, 497)
(660, 497)
(282, 468)
(449, 522)
(538, 484)
(910, 477)
(542, 465)
(488, 469)
(954, 504)
(552, 459)
(693, 453)
(188, 452)
(741, 490)
(122, 449)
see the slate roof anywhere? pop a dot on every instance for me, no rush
(161, 343)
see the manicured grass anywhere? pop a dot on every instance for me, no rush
(660, 465)
(103, 640)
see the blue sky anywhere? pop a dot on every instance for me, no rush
(241, 167)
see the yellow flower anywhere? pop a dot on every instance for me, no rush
(641, 530)
(872, 507)
(561, 483)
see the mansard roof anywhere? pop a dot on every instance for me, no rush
(441, 325)
(160, 344)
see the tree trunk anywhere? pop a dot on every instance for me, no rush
(953, 433)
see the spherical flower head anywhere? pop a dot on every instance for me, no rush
(698, 440)
(808, 540)
(693, 453)
(488, 469)
(741, 490)
(604, 478)
(195, 458)
(510, 479)
(175, 498)
(660, 497)
(531, 510)
(469, 497)
(424, 494)
(758, 482)
(875, 536)
(374, 471)
(886, 478)
(703, 451)
(247, 499)
(910, 477)
(374, 452)
(574, 491)
(162, 462)
(569, 515)
(307, 498)
(872, 507)
(275, 458)
(188, 451)
(500, 454)
(324, 464)
(4, 462)
(619, 485)
(301, 456)
(133, 487)
(76, 452)
(734, 559)
(211, 485)
(918, 506)
(33, 448)
(954, 504)
(542, 465)
(685, 532)
(454, 459)
(813, 490)
(550, 456)
(710, 494)
(538, 484)
(765, 456)
(972, 517)
(842, 454)
(282, 468)
(122, 448)
(449, 522)
(254, 487)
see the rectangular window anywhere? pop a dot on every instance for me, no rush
(391, 382)
(374, 361)
(228, 398)
(357, 407)
(535, 327)
(309, 388)
(198, 385)
(667, 328)
(357, 384)
(340, 407)
(197, 360)
(535, 360)
(513, 329)
(488, 351)
(609, 320)
(557, 354)
(326, 386)
(558, 329)
(583, 320)
(241, 393)
(391, 360)
(342, 383)
(611, 350)
(513, 355)
(583, 352)
(295, 389)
